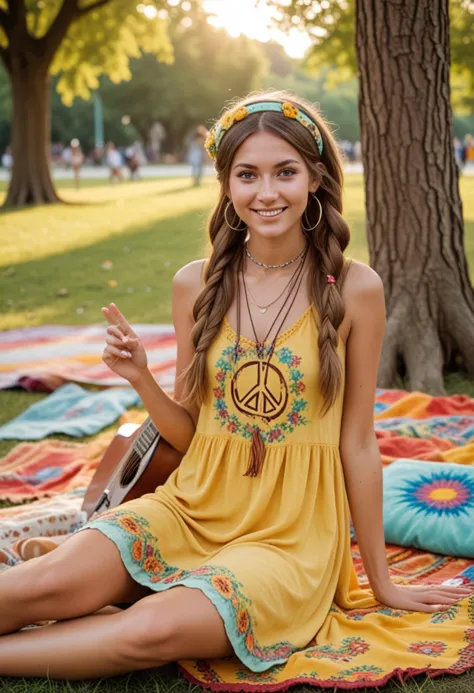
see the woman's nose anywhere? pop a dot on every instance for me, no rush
(267, 193)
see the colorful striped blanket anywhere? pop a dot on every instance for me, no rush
(42, 358)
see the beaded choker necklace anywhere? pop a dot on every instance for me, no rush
(262, 264)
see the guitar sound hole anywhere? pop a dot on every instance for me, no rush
(129, 472)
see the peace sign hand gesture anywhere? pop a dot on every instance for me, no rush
(124, 353)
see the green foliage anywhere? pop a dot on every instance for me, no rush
(338, 104)
(103, 42)
(462, 51)
(98, 37)
(209, 68)
(332, 25)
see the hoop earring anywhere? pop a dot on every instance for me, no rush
(227, 221)
(319, 218)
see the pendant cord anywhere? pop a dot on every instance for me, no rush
(261, 345)
(276, 299)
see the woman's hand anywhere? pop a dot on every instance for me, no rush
(427, 598)
(124, 353)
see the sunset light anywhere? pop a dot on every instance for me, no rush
(254, 19)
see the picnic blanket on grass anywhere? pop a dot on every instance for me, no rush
(52, 467)
(71, 410)
(62, 471)
(43, 358)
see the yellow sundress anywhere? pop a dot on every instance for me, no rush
(273, 552)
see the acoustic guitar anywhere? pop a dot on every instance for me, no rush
(136, 462)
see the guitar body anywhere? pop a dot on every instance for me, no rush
(136, 462)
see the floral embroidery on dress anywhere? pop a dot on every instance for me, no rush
(470, 609)
(348, 649)
(362, 674)
(466, 654)
(433, 648)
(207, 672)
(144, 553)
(447, 615)
(225, 366)
(359, 614)
(258, 677)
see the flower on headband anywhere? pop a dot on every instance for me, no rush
(210, 144)
(227, 120)
(241, 113)
(289, 110)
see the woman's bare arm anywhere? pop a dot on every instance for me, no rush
(175, 421)
(358, 444)
(359, 448)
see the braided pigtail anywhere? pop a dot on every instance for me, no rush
(328, 241)
(214, 299)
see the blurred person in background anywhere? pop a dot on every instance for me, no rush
(468, 150)
(132, 160)
(197, 154)
(77, 160)
(7, 158)
(113, 159)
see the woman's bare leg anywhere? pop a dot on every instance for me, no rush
(180, 623)
(78, 578)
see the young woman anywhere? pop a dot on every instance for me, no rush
(244, 556)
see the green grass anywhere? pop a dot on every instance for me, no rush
(147, 230)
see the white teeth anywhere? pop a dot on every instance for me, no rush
(272, 213)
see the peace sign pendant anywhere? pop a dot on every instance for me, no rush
(259, 389)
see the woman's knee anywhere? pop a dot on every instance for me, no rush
(148, 634)
(82, 575)
(180, 623)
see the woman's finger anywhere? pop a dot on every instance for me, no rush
(121, 320)
(459, 592)
(114, 341)
(115, 330)
(114, 320)
(115, 351)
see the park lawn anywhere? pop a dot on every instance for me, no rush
(147, 230)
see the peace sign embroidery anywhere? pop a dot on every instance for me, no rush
(259, 389)
(260, 392)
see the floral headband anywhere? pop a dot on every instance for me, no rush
(288, 109)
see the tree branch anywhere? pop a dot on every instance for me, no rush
(67, 14)
(50, 42)
(90, 8)
(4, 20)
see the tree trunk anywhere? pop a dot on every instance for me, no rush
(31, 181)
(414, 211)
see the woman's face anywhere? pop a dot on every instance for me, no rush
(269, 184)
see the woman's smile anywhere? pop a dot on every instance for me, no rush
(270, 213)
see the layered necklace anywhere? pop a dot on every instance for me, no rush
(264, 308)
(257, 451)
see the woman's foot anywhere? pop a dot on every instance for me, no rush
(38, 546)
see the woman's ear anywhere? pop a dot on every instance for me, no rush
(316, 182)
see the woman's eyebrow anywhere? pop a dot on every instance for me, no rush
(279, 165)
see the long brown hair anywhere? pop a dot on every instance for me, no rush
(327, 243)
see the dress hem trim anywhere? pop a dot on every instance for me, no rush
(253, 662)
(401, 675)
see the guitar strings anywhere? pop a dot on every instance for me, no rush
(135, 456)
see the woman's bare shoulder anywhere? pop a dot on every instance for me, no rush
(360, 283)
(188, 281)
(360, 278)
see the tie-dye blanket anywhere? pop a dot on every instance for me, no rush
(70, 410)
(43, 358)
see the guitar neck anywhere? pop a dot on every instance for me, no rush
(146, 438)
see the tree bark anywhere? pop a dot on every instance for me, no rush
(31, 181)
(414, 211)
